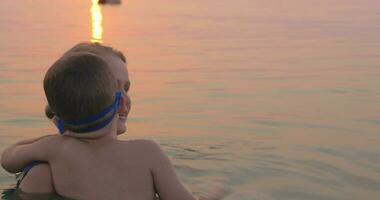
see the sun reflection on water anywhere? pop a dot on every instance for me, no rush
(97, 19)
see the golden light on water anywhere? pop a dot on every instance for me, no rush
(97, 19)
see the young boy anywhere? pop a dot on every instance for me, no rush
(86, 89)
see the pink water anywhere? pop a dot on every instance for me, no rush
(274, 99)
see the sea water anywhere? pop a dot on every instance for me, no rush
(272, 99)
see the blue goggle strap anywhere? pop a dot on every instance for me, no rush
(114, 107)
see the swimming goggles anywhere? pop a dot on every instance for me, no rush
(92, 123)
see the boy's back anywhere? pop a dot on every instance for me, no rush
(103, 168)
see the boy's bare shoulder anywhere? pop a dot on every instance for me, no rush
(146, 147)
(143, 144)
(50, 139)
(54, 143)
(56, 139)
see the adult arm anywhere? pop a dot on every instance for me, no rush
(16, 157)
(166, 182)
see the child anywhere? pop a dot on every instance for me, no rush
(86, 89)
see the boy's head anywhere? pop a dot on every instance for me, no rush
(78, 86)
(118, 65)
(97, 49)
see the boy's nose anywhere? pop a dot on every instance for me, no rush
(125, 104)
(128, 102)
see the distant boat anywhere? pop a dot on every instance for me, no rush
(109, 2)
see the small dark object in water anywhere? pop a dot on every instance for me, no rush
(109, 1)
(192, 150)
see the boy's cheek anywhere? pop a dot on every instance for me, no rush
(128, 104)
(121, 128)
(125, 105)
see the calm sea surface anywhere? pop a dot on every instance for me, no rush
(276, 99)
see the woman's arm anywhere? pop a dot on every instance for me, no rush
(166, 182)
(16, 157)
